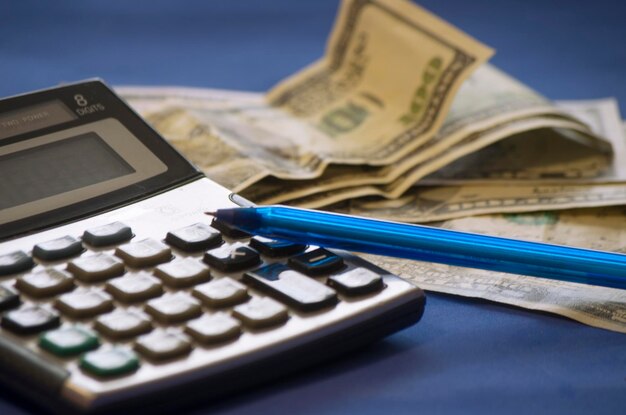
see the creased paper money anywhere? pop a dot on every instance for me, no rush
(598, 228)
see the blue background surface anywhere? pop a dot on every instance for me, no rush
(466, 356)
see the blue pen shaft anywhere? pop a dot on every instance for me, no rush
(425, 243)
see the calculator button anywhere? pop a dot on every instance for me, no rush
(274, 248)
(109, 234)
(15, 262)
(96, 268)
(183, 273)
(45, 283)
(232, 257)
(228, 230)
(196, 237)
(222, 292)
(59, 248)
(123, 324)
(261, 313)
(162, 345)
(134, 287)
(173, 308)
(110, 362)
(144, 253)
(84, 304)
(8, 298)
(317, 262)
(69, 341)
(357, 281)
(214, 328)
(292, 287)
(30, 320)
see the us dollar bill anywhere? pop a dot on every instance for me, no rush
(587, 162)
(426, 204)
(513, 154)
(384, 85)
(489, 106)
(597, 228)
(524, 163)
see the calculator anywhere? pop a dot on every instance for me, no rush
(118, 292)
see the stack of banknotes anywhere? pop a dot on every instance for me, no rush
(403, 119)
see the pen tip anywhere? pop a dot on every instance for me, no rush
(211, 213)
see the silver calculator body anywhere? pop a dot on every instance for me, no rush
(116, 289)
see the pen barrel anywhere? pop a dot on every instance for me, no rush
(441, 245)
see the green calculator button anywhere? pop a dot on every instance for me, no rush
(111, 362)
(69, 341)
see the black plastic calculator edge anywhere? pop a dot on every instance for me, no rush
(196, 391)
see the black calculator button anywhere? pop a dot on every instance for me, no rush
(60, 248)
(110, 362)
(30, 320)
(8, 298)
(84, 304)
(183, 273)
(163, 345)
(132, 288)
(14, 262)
(144, 253)
(193, 238)
(109, 234)
(122, 324)
(96, 268)
(273, 248)
(232, 257)
(69, 341)
(291, 287)
(173, 308)
(214, 328)
(45, 283)
(228, 230)
(357, 281)
(222, 292)
(261, 313)
(317, 262)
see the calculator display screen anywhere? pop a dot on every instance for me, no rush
(58, 167)
(75, 151)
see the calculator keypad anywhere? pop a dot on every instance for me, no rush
(129, 298)
(232, 257)
(30, 320)
(109, 234)
(261, 313)
(15, 262)
(221, 292)
(145, 253)
(174, 308)
(134, 287)
(163, 345)
(69, 341)
(84, 304)
(317, 262)
(183, 273)
(8, 298)
(95, 268)
(45, 283)
(56, 249)
(214, 328)
(292, 287)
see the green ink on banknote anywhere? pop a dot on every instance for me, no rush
(343, 119)
(422, 93)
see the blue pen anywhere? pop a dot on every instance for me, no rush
(353, 233)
